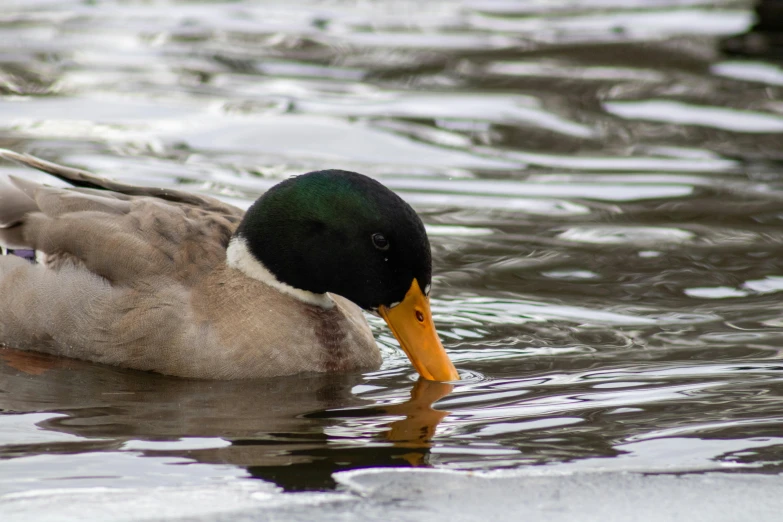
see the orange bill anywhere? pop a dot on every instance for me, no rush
(411, 323)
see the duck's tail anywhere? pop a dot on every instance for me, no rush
(15, 203)
(76, 177)
(83, 179)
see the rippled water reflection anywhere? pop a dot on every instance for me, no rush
(602, 190)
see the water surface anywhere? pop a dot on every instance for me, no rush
(602, 188)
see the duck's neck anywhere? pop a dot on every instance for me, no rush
(239, 257)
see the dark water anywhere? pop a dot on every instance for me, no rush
(603, 190)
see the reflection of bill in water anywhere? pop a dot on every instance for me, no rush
(417, 429)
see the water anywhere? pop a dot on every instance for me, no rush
(603, 191)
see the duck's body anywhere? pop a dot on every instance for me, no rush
(161, 280)
(143, 283)
(198, 331)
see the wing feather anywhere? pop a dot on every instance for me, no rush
(118, 232)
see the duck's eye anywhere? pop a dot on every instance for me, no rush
(380, 242)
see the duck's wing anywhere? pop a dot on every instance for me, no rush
(119, 268)
(124, 237)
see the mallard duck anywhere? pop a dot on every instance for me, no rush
(187, 285)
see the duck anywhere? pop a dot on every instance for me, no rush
(187, 285)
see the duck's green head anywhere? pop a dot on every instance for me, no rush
(340, 232)
(345, 233)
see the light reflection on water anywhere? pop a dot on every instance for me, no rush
(601, 188)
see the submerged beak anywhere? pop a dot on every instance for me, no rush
(411, 323)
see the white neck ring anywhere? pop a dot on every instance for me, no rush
(238, 256)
